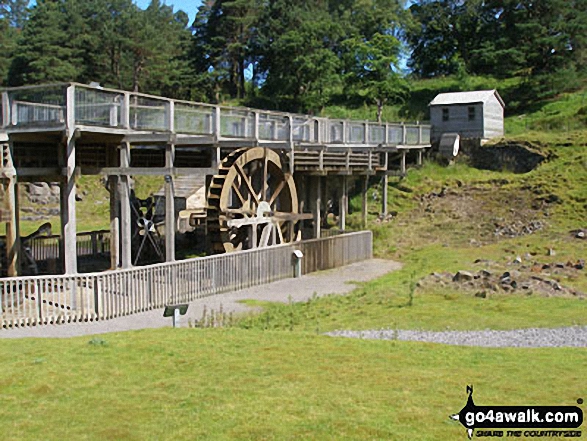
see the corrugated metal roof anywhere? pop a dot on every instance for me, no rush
(479, 96)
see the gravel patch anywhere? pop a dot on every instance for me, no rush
(575, 336)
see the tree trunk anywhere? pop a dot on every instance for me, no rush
(379, 110)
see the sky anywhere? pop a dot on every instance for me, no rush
(188, 6)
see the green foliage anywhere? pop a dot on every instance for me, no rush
(370, 67)
(112, 42)
(544, 42)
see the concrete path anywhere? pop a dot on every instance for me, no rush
(336, 281)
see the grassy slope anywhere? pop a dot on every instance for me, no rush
(234, 384)
(451, 238)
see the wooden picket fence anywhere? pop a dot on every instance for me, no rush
(38, 300)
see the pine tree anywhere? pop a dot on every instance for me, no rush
(45, 53)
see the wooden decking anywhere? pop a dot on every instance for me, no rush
(99, 118)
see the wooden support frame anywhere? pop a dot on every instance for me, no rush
(10, 187)
(170, 221)
(344, 203)
(318, 208)
(365, 205)
(113, 182)
(68, 190)
(125, 210)
(384, 195)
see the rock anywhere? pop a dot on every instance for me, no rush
(39, 189)
(580, 264)
(484, 273)
(551, 252)
(580, 235)
(463, 276)
(518, 260)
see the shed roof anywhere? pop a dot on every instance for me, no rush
(479, 96)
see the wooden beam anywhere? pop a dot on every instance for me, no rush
(125, 210)
(344, 204)
(54, 172)
(384, 192)
(114, 222)
(318, 207)
(364, 208)
(150, 171)
(169, 206)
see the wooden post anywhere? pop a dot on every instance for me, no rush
(217, 131)
(384, 196)
(344, 201)
(317, 213)
(10, 187)
(68, 190)
(113, 183)
(290, 140)
(420, 157)
(125, 111)
(365, 190)
(12, 230)
(403, 163)
(125, 213)
(169, 206)
(5, 109)
(171, 116)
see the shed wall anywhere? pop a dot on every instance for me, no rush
(493, 118)
(458, 121)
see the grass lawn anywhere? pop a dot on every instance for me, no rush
(236, 384)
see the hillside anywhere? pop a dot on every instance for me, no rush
(481, 223)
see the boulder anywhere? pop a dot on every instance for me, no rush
(463, 276)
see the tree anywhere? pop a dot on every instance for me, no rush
(372, 72)
(298, 54)
(443, 35)
(45, 53)
(223, 38)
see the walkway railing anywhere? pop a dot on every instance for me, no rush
(68, 104)
(98, 296)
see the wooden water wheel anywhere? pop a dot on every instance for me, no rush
(252, 202)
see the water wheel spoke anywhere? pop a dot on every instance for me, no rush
(238, 193)
(278, 225)
(265, 183)
(247, 181)
(276, 193)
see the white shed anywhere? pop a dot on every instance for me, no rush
(476, 114)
